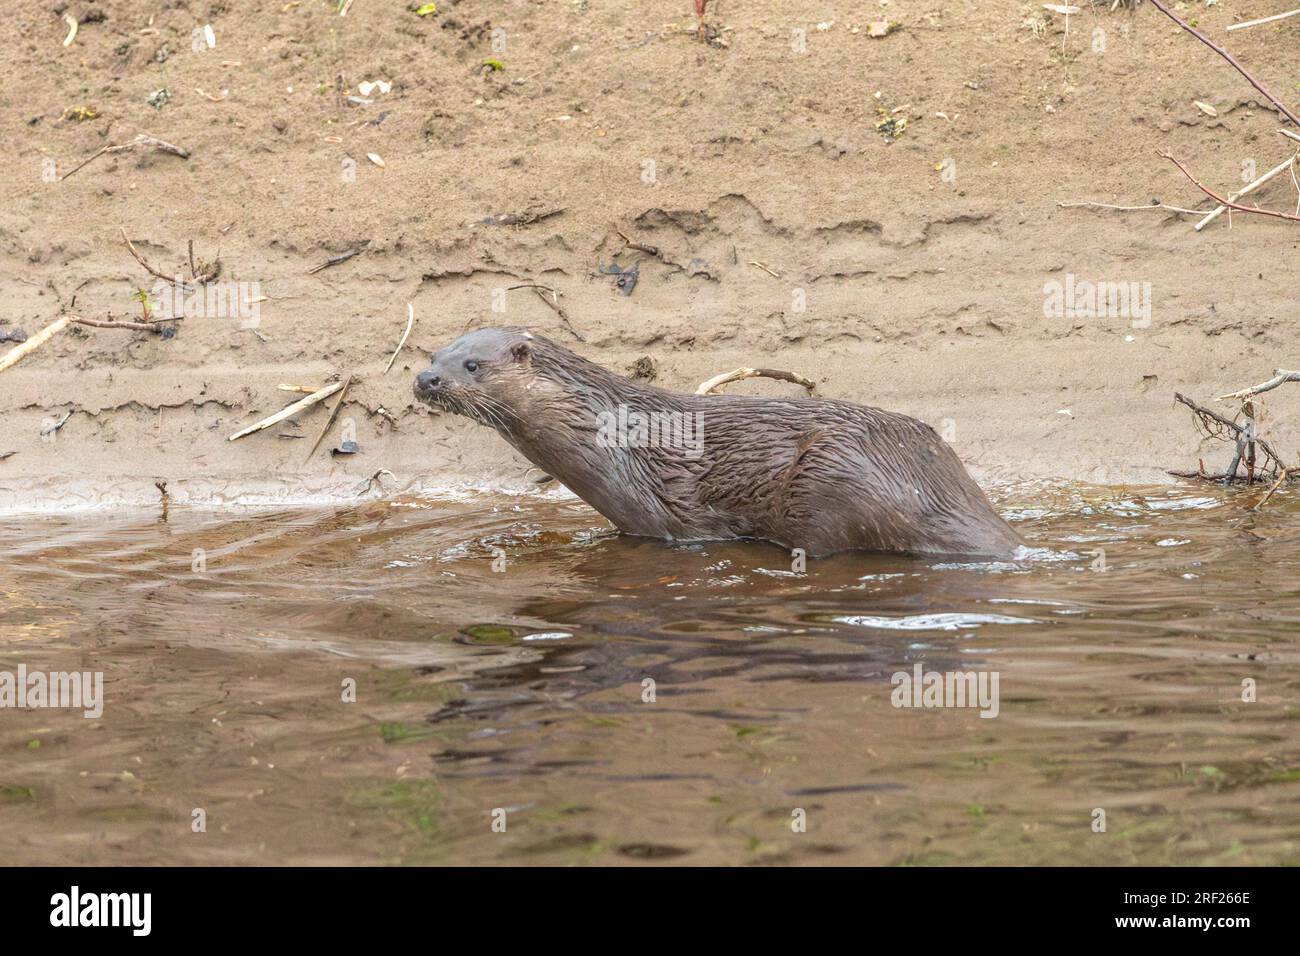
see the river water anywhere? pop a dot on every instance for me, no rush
(503, 679)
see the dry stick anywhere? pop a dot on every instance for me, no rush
(1228, 202)
(1245, 190)
(1280, 377)
(1248, 409)
(140, 259)
(553, 302)
(19, 352)
(140, 140)
(333, 414)
(638, 246)
(1157, 205)
(1255, 23)
(735, 375)
(1281, 478)
(290, 411)
(336, 260)
(1209, 413)
(410, 321)
(308, 389)
(1159, 5)
(151, 326)
(374, 479)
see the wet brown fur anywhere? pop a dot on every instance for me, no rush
(808, 473)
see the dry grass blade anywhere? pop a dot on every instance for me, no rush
(410, 323)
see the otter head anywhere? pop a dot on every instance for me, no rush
(483, 375)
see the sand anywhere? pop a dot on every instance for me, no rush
(909, 272)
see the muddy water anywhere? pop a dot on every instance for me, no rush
(228, 642)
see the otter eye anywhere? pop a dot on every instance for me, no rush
(471, 365)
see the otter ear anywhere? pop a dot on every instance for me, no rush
(521, 351)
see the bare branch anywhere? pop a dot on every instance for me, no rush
(1160, 5)
(1280, 377)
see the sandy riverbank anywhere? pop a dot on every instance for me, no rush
(909, 273)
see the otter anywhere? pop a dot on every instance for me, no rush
(810, 473)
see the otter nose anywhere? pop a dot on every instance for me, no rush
(427, 381)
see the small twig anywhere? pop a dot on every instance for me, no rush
(774, 275)
(1157, 205)
(335, 260)
(1222, 201)
(343, 393)
(54, 427)
(1282, 477)
(374, 479)
(1280, 377)
(289, 411)
(735, 375)
(151, 326)
(639, 247)
(1255, 23)
(140, 259)
(1249, 436)
(1160, 5)
(1208, 413)
(410, 322)
(553, 301)
(141, 140)
(526, 218)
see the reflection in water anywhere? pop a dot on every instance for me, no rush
(624, 700)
